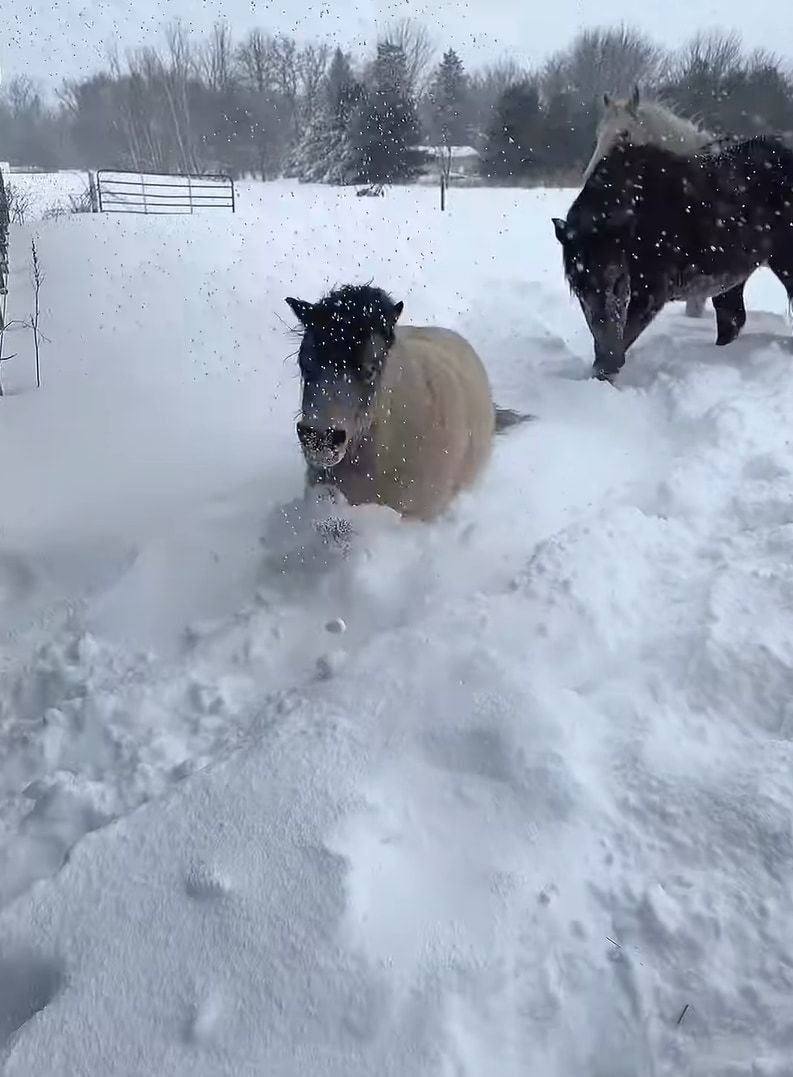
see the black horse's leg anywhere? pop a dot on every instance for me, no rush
(641, 312)
(607, 365)
(730, 314)
(781, 265)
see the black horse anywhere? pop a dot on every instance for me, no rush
(651, 226)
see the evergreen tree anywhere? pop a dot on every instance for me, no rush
(449, 103)
(338, 80)
(568, 131)
(325, 153)
(386, 127)
(514, 144)
(341, 162)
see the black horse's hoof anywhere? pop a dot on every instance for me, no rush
(727, 337)
(604, 375)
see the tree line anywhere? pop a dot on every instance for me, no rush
(269, 106)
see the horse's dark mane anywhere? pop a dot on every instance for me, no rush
(632, 173)
(355, 312)
(632, 157)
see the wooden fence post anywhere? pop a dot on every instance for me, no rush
(92, 192)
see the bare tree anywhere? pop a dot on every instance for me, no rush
(38, 279)
(269, 79)
(147, 111)
(18, 203)
(443, 158)
(217, 59)
(419, 48)
(21, 95)
(31, 323)
(155, 104)
(714, 53)
(487, 86)
(181, 68)
(555, 76)
(284, 77)
(312, 66)
(493, 79)
(763, 59)
(611, 60)
(130, 102)
(703, 75)
(182, 59)
(255, 60)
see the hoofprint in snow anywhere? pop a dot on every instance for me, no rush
(509, 794)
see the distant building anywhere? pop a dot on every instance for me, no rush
(465, 160)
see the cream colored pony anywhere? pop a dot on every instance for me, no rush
(643, 122)
(397, 416)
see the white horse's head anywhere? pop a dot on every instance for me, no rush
(640, 122)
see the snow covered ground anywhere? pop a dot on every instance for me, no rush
(34, 194)
(529, 814)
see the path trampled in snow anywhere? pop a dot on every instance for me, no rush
(531, 806)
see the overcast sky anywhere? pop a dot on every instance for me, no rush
(53, 39)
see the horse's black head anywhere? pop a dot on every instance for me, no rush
(596, 239)
(346, 339)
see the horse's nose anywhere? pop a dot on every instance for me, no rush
(333, 438)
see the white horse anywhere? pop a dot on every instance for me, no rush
(641, 122)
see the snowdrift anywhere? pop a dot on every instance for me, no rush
(505, 795)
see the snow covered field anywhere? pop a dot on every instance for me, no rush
(530, 814)
(37, 193)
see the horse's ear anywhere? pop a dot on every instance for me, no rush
(301, 309)
(560, 227)
(633, 104)
(391, 316)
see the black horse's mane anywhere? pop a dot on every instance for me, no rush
(629, 159)
(354, 312)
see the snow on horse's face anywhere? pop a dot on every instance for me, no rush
(346, 338)
(623, 117)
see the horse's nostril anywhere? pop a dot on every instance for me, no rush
(314, 439)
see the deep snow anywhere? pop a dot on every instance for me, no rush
(530, 805)
(39, 194)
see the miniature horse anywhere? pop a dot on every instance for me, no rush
(651, 226)
(398, 416)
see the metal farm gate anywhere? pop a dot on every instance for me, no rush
(153, 193)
